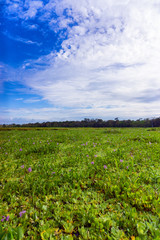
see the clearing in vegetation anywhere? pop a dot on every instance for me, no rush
(80, 184)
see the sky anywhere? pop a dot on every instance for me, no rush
(69, 60)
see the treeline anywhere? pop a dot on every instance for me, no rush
(94, 123)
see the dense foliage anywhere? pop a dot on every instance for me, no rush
(80, 183)
(94, 123)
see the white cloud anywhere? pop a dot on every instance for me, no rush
(32, 100)
(7, 74)
(24, 9)
(29, 100)
(59, 114)
(33, 7)
(19, 99)
(110, 58)
(20, 39)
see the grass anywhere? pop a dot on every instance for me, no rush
(80, 184)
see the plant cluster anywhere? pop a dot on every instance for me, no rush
(80, 184)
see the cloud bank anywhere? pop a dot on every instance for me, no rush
(108, 64)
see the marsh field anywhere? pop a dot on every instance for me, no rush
(70, 183)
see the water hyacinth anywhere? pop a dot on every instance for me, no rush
(21, 213)
(37, 196)
(30, 169)
(3, 218)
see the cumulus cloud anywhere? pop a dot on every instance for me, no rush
(108, 64)
(23, 9)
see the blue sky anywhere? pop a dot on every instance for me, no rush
(69, 59)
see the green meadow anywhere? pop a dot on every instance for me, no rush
(80, 183)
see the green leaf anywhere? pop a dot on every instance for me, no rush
(2, 235)
(5, 237)
(9, 234)
(141, 228)
(20, 233)
(1, 229)
(44, 207)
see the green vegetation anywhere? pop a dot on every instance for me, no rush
(93, 123)
(80, 184)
